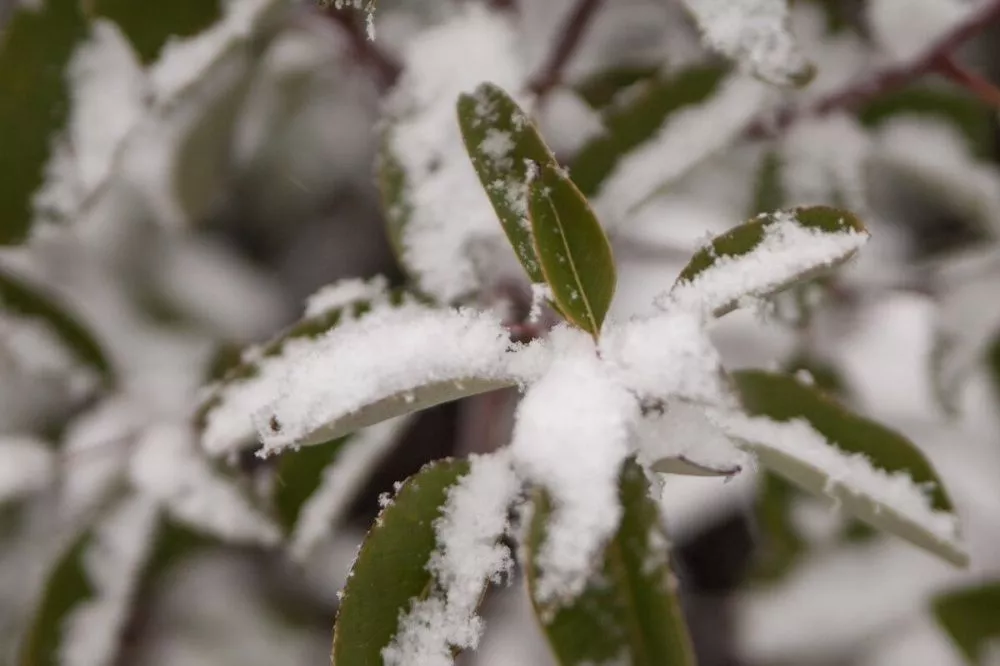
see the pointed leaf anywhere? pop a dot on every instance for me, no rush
(21, 298)
(391, 570)
(688, 467)
(768, 194)
(505, 147)
(396, 206)
(971, 616)
(766, 255)
(575, 254)
(630, 612)
(35, 48)
(877, 474)
(150, 31)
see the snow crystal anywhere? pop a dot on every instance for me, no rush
(468, 555)
(666, 356)
(541, 292)
(684, 431)
(754, 33)
(368, 6)
(450, 210)
(113, 562)
(787, 251)
(854, 473)
(343, 293)
(26, 465)
(168, 466)
(387, 354)
(571, 436)
(688, 137)
(342, 479)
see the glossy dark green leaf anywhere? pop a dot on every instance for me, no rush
(299, 474)
(773, 273)
(630, 612)
(971, 616)
(503, 145)
(782, 398)
(35, 48)
(600, 89)
(574, 253)
(390, 571)
(19, 297)
(150, 30)
(627, 126)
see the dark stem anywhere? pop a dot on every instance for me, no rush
(383, 66)
(978, 85)
(580, 18)
(856, 95)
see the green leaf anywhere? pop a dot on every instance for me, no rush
(784, 399)
(503, 145)
(781, 546)
(35, 48)
(629, 613)
(150, 30)
(391, 571)
(971, 616)
(630, 125)
(396, 207)
(768, 194)
(760, 257)
(20, 298)
(575, 254)
(688, 467)
(600, 89)
(298, 475)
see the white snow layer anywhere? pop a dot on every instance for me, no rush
(571, 436)
(450, 211)
(27, 464)
(823, 162)
(343, 293)
(406, 352)
(168, 466)
(113, 562)
(468, 555)
(904, 29)
(754, 33)
(787, 251)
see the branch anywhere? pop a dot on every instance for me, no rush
(856, 95)
(576, 25)
(982, 88)
(384, 67)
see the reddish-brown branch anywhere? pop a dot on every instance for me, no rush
(891, 78)
(383, 66)
(551, 73)
(981, 87)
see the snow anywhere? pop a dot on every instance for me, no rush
(469, 554)
(342, 479)
(688, 137)
(754, 33)
(168, 466)
(368, 6)
(113, 562)
(343, 293)
(361, 363)
(450, 210)
(27, 465)
(854, 473)
(787, 251)
(30, 346)
(571, 435)
(823, 162)
(905, 29)
(684, 431)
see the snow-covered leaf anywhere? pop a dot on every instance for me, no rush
(417, 582)
(688, 467)
(80, 617)
(27, 465)
(35, 48)
(756, 34)
(149, 31)
(359, 374)
(315, 485)
(971, 616)
(21, 298)
(600, 89)
(629, 612)
(764, 256)
(570, 244)
(506, 151)
(876, 474)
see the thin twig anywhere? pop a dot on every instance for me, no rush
(551, 73)
(384, 67)
(981, 87)
(855, 95)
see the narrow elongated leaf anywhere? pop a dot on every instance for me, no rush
(768, 194)
(971, 616)
(629, 613)
(766, 255)
(505, 149)
(149, 31)
(19, 297)
(688, 467)
(630, 125)
(35, 48)
(601, 88)
(575, 254)
(396, 206)
(391, 571)
(877, 474)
